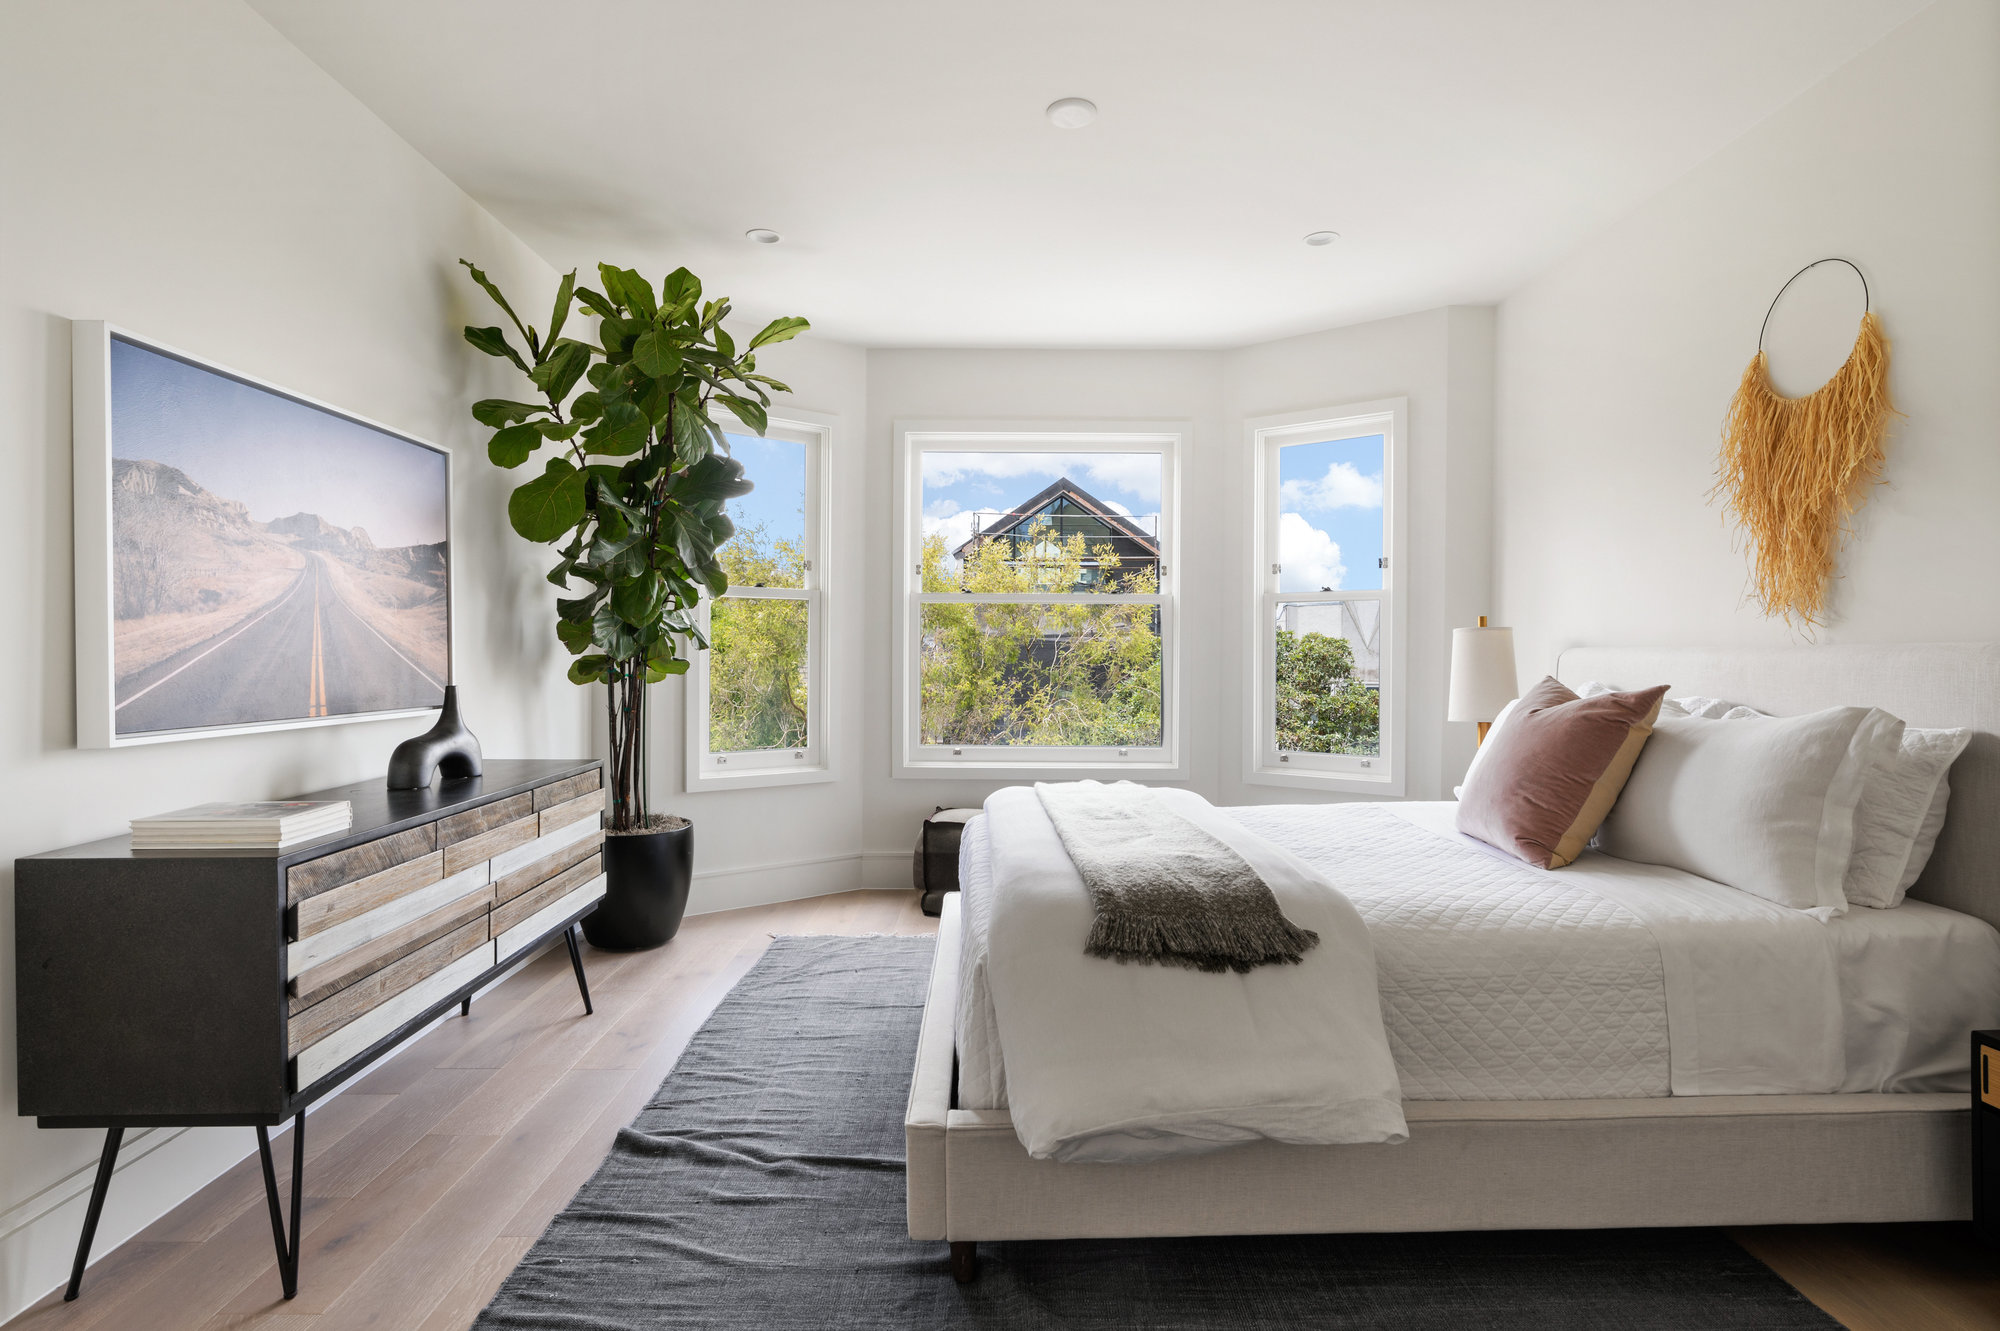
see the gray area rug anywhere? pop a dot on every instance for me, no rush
(762, 1187)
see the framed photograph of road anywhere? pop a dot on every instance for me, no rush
(247, 559)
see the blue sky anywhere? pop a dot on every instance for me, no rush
(958, 486)
(1330, 515)
(778, 468)
(275, 456)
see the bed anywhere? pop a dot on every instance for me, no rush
(1576, 1124)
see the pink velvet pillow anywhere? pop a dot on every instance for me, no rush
(1547, 778)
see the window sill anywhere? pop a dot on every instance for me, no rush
(1038, 770)
(752, 778)
(1350, 783)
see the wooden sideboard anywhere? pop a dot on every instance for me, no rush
(168, 988)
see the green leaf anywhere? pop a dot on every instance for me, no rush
(559, 575)
(715, 477)
(615, 334)
(561, 314)
(514, 445)
(768, 382)
(779, 330)
(692, 440)
(623, 429)
(574, 634)
(498, 299)
(611, 633)
(679, 287)
(557, 430)
(595, 669)
(558, 373)
(750, 413)
(725, 345)
(587, 407)
(656, 354)
(658, 668)
(640, 600)
(496, 411)
(629, 289)
(550, 505)
(494, 342)
(595, 303)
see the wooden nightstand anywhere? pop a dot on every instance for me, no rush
(1986, 1133)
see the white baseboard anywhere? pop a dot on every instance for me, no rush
(768, 884)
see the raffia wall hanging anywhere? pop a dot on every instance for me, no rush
(1794, 470)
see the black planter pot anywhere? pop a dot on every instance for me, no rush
(647, 876)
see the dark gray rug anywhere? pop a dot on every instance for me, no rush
(763, 1188)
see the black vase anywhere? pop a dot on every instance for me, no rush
(448, 745)
(647, 876)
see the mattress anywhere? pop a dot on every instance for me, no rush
(1605, 979)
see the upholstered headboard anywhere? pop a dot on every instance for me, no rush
(1927, 684)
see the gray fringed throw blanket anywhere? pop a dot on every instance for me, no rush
(1165, 892)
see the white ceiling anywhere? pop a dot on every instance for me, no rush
(899, 146)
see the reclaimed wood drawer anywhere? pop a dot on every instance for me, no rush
(371, 955)
(542, 847)
(558, 816)
(530, 930)
(344, 866)
(492, 840)
(512, 885)
(321, 912)
(323, 1018)
(380, 1022)
(334, 941)
(524, 906)
(559, 792)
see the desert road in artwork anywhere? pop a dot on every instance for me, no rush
(304, 653)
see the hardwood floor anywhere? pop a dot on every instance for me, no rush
(428, 1180)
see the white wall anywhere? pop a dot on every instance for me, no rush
(1616, 366)
(182, 170)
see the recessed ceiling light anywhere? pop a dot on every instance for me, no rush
(1072, 112)
(1322, 237)
(762, 235)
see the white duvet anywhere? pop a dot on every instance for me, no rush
(1121, 1062)
(1604, 979)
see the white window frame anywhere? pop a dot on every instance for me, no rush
(780, 767)
(916, 760)
(1265, 765)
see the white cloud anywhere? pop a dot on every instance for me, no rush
(1342, 487)
(940, 508)
(1309, 557)
(1135, 473)
(956, 526)
(1118, 508)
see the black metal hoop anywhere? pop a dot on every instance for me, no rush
(1867, 302)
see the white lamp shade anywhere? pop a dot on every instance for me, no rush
(1482, 673)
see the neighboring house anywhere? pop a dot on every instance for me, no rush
(1360, 622)
(1066, 509)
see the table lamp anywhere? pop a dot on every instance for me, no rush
(1482, 674)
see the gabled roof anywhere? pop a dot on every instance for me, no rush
(1065, 488)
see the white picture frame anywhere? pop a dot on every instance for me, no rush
(98, 705)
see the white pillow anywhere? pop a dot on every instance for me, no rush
(1765, 803)
(1906, 802)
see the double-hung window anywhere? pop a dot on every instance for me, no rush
(1036, 616)
(757, 711)
(1327, 631)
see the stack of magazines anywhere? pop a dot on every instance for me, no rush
(269, 826)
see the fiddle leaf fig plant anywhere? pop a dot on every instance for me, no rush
(635, 471)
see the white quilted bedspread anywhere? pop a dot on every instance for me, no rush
(1498, 982)
(1606, 979)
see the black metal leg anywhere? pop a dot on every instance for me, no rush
(288, 1251)
(105, 1162)
(576, 962)
(964, 1261)
(465, 1006)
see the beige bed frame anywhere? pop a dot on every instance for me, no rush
(1533, 1164)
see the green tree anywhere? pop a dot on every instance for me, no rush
(1038, 674)
(757, 649)
(1322, 706)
